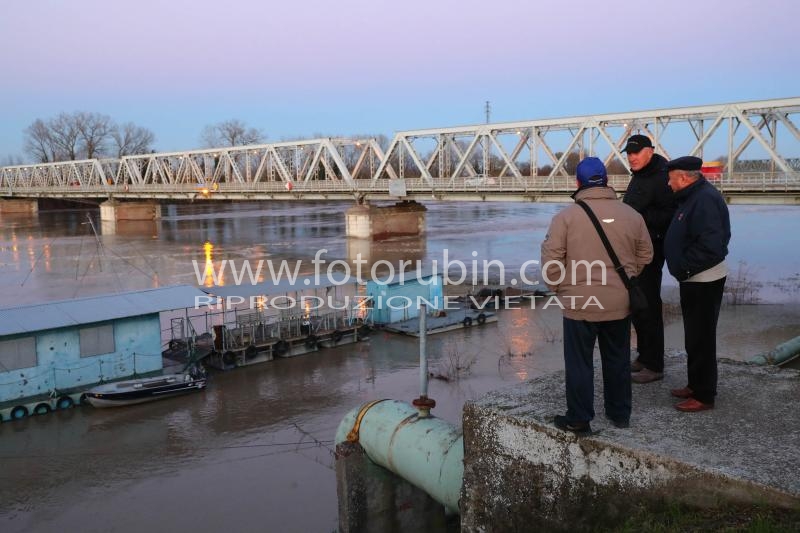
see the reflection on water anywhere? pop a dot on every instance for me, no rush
(210, 277)
(253, 451)
(394, 251)
(135, 228)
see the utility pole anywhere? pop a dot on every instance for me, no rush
(486, 162)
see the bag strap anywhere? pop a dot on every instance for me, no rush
(614, 259)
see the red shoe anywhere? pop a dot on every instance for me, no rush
(684, 393)
(692, 406)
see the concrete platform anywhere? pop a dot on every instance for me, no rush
(521, 470)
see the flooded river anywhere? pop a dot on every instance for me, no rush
(254, 451)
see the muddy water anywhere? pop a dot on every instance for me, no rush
(253, 451)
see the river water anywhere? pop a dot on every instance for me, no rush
(254, 451)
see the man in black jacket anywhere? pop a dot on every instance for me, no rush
(695, 246)
(650, 195)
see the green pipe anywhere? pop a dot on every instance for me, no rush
(427, 452)
(781, 354)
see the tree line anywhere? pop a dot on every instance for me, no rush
(87, 135)
(84, 135)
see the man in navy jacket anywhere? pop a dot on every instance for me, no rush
(695, 248)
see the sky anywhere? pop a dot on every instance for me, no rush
(316, 67)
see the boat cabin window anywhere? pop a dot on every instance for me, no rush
(97, 340)
(18, 353)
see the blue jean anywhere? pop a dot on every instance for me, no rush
(614, 337)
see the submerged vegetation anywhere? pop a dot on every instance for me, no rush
(454, 363)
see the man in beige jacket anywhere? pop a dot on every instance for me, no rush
(595, 302)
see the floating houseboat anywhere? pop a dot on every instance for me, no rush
(51, 353)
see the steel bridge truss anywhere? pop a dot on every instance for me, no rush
(499, 158)
(291, 163)
(518, 150)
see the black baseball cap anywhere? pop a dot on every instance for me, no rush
(636, 143)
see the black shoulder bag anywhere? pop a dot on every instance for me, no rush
(638, 299)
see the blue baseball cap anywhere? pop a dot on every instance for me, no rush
(591, 172)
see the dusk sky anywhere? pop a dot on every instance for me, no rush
(348, 67)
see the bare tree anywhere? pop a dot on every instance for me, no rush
(615, 166)
(66, 137)
(382, 140)
(130, 139)
(94, 131)
(230, 133)
(84, 135)
(39, 142)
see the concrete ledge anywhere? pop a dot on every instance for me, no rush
(521, 470)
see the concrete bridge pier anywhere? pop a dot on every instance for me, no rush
(376, 223)
(114, 211)
(19, 207)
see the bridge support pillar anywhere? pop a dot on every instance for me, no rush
(114, 211)
(19, 207)
(376, 223)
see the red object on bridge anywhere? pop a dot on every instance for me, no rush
(712, 170)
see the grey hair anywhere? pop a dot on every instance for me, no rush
(692, 174)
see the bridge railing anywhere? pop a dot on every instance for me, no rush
(738, 182)
(759, 181)
(489, 184)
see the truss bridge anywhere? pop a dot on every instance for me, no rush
(754, 144)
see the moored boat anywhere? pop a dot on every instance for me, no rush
(146, 389)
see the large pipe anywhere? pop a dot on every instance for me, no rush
(427, 452)
(781, 354)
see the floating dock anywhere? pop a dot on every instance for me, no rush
(440, 323)
(253, 338)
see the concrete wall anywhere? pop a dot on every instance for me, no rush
(517, 475)
(371, 222)
(137, 342)
(521, 472)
